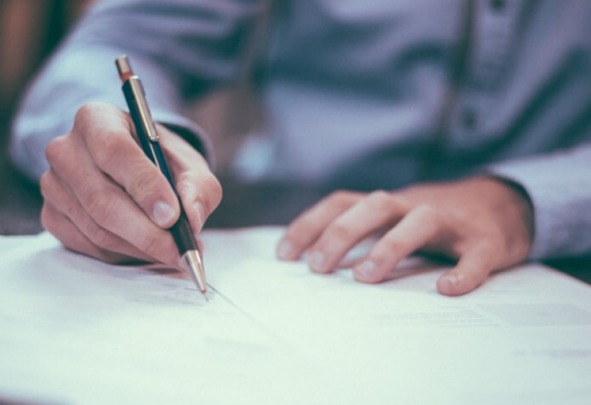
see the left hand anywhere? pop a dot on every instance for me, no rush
(484, 223)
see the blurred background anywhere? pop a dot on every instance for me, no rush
(29, 31)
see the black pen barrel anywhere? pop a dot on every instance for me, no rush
(181, 230)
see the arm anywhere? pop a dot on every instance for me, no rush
(181, 49)
(102, 196)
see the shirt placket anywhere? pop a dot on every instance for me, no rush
(492, 47)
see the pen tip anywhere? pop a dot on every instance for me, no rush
(192, 262)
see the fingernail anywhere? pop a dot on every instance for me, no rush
(452, 279)
(316, 261)
(162, 214)
(200, 214)
(366, 269)
(284, 250)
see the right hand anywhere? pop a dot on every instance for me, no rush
(104, 198)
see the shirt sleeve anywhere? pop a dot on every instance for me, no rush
(559, 186)
(180, 49)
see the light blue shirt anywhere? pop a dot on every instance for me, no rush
(363, 94)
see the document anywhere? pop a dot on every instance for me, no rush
(77, 331)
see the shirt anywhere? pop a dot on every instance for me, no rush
(364, 94)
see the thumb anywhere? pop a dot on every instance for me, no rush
(106, 133)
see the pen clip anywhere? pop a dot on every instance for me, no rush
(133, 84)
(144, 111)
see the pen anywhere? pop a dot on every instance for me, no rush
(149, 139)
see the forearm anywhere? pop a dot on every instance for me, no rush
(72, 79)
(179, 48)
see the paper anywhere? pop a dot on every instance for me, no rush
(74, 330)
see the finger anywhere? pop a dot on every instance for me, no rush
(198, 188)
(106, 131)
(108, 205)
(200, 193)
(60, 198)
(421, 225)
(472, 270)
(368, 215)
(70, 236)
(308, 227)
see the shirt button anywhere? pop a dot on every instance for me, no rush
(498, 5)
(469, 118)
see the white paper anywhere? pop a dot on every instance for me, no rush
(74, 330)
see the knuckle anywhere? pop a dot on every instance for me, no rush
(108, 153)
(70, 209)
(47, 218)
(143, 185)
(56, 150)
(100, 207)
(427, 210)
(338, 195)
(381, 200)
(52, 191)
(300, 227)
(340, 231)
(491, 242)
(394, 244)
(401, 201)
(45, 185)
(212, 190)
(91, 125)
(216, 189)
(186, 186)
(151, 245)
(428, 213)
(339, 198)
(102, 239)
(87, 112)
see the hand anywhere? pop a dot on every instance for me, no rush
(484, 223)
(104, 198)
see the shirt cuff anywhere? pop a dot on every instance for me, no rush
(558, 188)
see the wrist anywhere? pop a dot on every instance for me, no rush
(514, 203)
